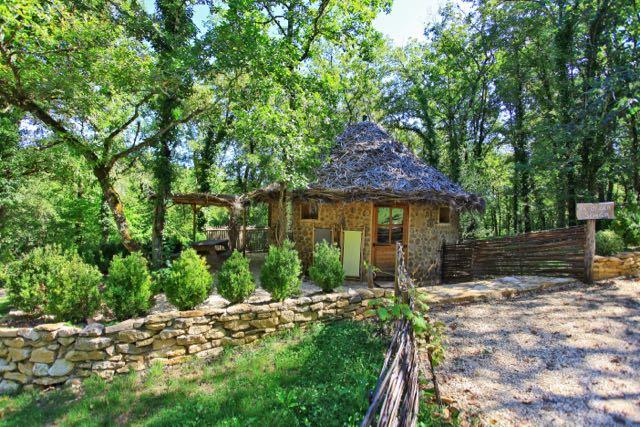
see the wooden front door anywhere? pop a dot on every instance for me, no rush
(389, 226)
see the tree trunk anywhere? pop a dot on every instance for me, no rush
(112, 198)
(635, 156)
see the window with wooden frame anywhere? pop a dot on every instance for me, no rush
(444, 215)
(390, 224)
(309, 210)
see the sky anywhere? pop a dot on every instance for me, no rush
(406, 20)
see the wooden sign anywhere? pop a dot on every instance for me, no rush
(595, 210)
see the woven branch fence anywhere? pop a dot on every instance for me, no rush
(543, 253)
(395, 400)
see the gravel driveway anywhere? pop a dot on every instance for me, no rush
(569, 357)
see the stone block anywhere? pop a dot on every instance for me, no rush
(40, 369)
(60, 368)
(162, 317)
(169, 333)
(47, 381)
(66, 341)
(236, 325)
(192, 313)
(42, 355)
(306, 317)
(8, 387)
(88, 344)
(29, 334)
(264, 323)
(287, 316)
(25, 367)
(158, 343)
(8, 332)
(132, 335)
(155, 326)
(198, 329)
(17, 342)
(6, 366)
(17, 377)
(190, 339)
(215, 333)
(19, 354)
(130, 349)
(80, 356)
(124, 326)
(144, 343)
(92, 330)
(168, 352)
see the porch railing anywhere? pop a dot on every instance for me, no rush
(256, 238)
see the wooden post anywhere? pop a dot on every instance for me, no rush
(591, 212)
(589, 249)
(193, 234)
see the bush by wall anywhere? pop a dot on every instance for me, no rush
(627, 224)
(608, 243)
(235, 281)
(280, 274)
(73, 293)
(326, 270)
(128, 291)
(188, 282)
(28, 278)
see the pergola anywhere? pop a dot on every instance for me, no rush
(236, 204)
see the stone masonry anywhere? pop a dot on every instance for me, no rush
(426, 237)
(55, 354)
(623, 264)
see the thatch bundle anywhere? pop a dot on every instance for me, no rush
(368, 164)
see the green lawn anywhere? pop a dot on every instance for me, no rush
(321, 376)
(4, 306)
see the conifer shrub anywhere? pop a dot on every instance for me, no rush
(188, 281)
(608, 243)
(128, 291)
(235, 281)
(27, 278)
(74, 293)
(326, 270)
(280, 274)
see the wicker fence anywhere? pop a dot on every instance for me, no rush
(395, 401)
(257, 237)
(543, 253)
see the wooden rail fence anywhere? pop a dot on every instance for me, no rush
(257, 237)
(557, 252)
(395, 400)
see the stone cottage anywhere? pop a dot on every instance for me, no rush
(370, 193)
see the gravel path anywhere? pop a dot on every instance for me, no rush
(570, 357)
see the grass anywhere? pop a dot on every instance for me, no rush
(321, 376)
(5, 307)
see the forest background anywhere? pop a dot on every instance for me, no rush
(108, 107)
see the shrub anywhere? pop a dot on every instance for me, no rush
(159, 279)
(28, 278)
(128, 290)
(627, 224)
(188, 282)
(280, 273)
(608, 243)
(235, 281)
(326, 270)
(73, 293)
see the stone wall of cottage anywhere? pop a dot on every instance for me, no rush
(56, 354)
(336, 216)
(426, 237)
(625, 264)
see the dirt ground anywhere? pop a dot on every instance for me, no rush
(567, 357)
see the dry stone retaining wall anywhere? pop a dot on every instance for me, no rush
(622, 264)
(52, 354)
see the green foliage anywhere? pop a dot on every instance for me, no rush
(29, 278)
(188, 282)
(280, 274)
(326, 270)
(608, 243)
(627, 224)
(395, 308)
(74, 293)
(160, 277)
(128, 291)
(235, 281)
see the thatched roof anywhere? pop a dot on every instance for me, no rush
(368, 164)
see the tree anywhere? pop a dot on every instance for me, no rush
(76, 71)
